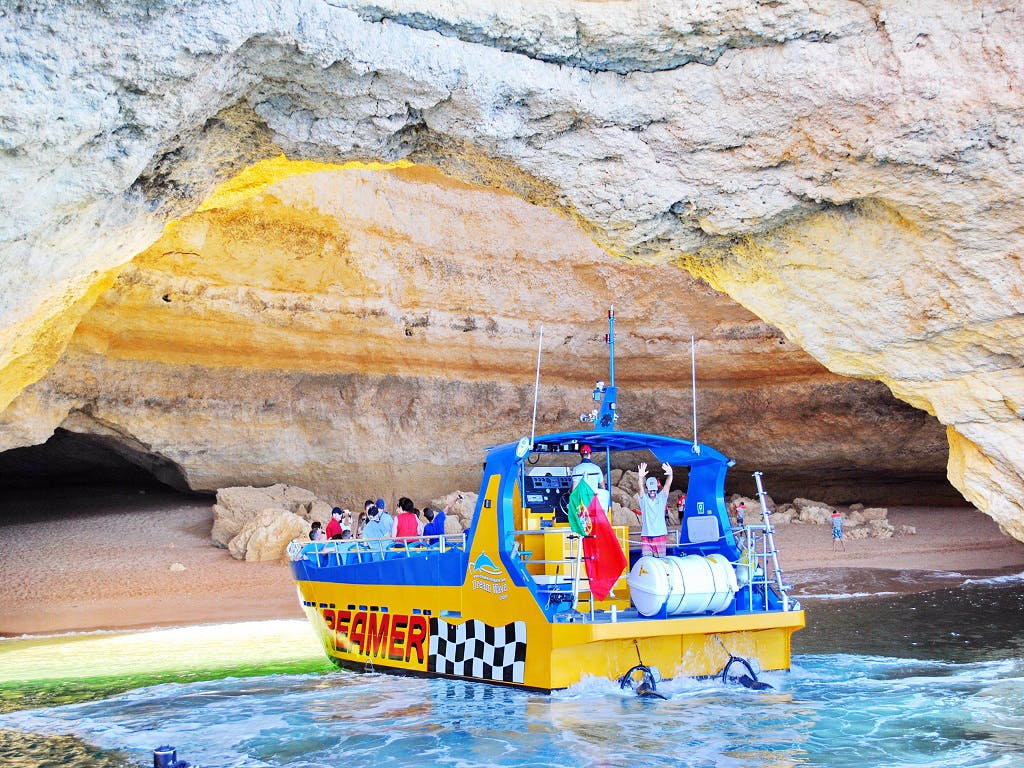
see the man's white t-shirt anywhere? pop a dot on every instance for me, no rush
(589, 471)
(653, 513)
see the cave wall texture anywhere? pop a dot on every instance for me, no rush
(850, 173)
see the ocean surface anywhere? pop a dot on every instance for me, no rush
(928, 679)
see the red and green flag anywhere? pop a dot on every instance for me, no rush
(602, 552)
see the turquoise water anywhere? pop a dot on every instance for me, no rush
(934, 679)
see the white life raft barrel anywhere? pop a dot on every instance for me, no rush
(682, 585)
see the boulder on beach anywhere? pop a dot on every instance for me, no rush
(624, 515)
(812, 512)
(629, 482)
(265, 536)
(236, 506)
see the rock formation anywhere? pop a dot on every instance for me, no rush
(363, 332)
(849, 172)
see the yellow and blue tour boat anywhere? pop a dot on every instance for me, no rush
(509, 600)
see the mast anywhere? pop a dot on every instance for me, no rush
(693, 388)
(604, 418)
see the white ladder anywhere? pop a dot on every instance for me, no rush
(771, 550)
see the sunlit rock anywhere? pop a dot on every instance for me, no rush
(266, 536)
(236, 507)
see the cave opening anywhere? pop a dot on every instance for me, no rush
(74, 473)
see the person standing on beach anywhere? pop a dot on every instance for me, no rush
(837, 530)
(653, 530)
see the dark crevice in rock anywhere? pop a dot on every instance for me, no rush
(591, 55)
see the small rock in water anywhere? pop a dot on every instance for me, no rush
(176, 567)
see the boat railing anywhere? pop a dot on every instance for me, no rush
(335, 552)
(759, 556)
(569, 582)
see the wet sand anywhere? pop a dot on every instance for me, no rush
(85, 559)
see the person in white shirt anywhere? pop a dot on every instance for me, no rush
(587, 470)
(654, 531)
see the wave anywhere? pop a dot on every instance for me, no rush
(843, 595)
(1009, 578)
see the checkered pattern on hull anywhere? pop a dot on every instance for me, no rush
(478, 650)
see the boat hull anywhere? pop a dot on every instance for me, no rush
(417, 630)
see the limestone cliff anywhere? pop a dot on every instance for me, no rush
(850, 172)
(363, 331)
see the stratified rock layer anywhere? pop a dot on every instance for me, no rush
(849, 172)
(364, 332)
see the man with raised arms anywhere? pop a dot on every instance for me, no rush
(654, 531)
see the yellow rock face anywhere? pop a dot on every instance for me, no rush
(365, 331)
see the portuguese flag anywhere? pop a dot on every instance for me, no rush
(601, 550)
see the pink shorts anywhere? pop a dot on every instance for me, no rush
(653, 545)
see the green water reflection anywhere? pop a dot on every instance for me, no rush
(39, 672)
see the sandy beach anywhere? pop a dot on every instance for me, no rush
(87, 559)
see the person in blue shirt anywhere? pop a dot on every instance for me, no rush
(435, 521)
(378, 530)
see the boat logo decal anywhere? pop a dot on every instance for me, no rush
(489, 578)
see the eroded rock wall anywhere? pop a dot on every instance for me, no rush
(364, 332)
(804, 157)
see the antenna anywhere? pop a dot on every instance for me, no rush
(693, 387)
(536, 386)
(611, 344)
(606, 415)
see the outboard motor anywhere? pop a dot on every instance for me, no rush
(167, 757)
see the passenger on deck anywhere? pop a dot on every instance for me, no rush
(435, 520)
(653, 531)
(407, 525)
(378, 529)
(316, 532)
(334, 524)
(587, 470)
(369, 510)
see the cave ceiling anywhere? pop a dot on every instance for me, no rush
(849, 173)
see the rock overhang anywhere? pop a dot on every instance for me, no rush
(797, 120)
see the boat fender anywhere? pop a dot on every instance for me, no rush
(747, 681)
(646, 687)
